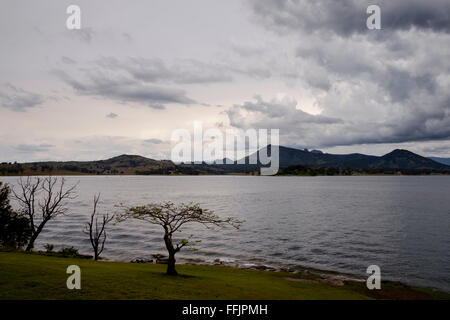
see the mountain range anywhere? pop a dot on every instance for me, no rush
(397, 159)
(441, 160)
(291, 161)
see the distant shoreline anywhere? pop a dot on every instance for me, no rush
(289, 161)
(74, 174)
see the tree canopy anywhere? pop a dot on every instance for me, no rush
(172, 217)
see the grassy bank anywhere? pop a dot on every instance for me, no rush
(33, 276)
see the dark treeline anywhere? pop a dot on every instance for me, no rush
(292, 162)
(331, 171)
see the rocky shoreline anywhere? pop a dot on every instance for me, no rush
(316, 275)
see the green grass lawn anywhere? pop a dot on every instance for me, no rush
(34, 276)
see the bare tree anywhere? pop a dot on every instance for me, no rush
(172, 217)
(96, 231)
(42, 200)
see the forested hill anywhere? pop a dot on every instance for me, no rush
(291, 161)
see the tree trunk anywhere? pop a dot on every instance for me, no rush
(171, 262)
(171, 265)
(30, 245)
(35, 234)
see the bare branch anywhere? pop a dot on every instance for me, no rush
(44, 196)
(97, 233)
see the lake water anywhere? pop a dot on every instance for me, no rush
(400, 223)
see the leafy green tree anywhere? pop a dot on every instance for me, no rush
(15, 229)
(171, 218)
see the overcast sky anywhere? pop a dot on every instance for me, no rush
(137, 70)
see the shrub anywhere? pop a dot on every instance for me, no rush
(69, 252)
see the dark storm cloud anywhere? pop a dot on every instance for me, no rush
(432, 14)
(400, 83)
(18, 99)
(32, 148)
(346, 17)
(300, 128)
(156, 70)
(335, 58)
(419, 124)
(396, 66)
(387, 86)
(123, 89)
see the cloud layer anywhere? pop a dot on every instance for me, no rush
(101, 79)
(18, 99)
(387, 86)
(309, 68)
(347, 17)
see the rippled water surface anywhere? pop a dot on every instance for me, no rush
(345, 224)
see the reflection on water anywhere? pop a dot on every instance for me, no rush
(345, 224)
